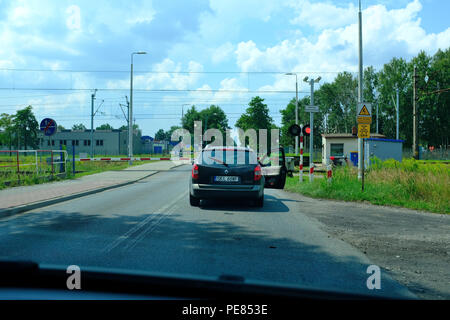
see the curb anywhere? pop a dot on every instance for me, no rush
(36, 205)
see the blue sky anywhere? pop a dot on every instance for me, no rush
(199, 52)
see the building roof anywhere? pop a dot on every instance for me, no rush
(349, 135)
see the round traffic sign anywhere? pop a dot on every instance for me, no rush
(48, 126)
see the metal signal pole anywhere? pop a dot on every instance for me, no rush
(92, 123)
(415, 124)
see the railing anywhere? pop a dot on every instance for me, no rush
(436, 154)
(18, 161)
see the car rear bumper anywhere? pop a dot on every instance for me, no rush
(203, 191)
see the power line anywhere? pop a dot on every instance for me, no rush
(167, 72)
(157, 90)
(37, 96)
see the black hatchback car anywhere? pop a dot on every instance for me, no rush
(233, 172)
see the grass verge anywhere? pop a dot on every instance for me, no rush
(410, 184)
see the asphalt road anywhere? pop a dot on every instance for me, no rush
(150, 226)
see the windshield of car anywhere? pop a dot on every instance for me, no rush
(301, 143)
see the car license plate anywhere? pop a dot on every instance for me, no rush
(226, 179)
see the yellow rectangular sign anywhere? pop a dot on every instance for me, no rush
(363, 131)
(364, 120)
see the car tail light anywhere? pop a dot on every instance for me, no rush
(258, 173)
(195, 171)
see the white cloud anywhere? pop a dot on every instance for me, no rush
(322, 15)
(230, 90)
(166, 75)
(386, 33)
(222, 53)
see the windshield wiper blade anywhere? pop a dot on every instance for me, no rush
(220, 161)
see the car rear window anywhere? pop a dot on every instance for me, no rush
(228, 156)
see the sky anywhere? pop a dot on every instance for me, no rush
(53, 54)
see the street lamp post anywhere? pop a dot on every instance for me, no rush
(296, 107)
(130, 111)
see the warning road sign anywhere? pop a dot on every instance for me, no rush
(363, 131)
(364, 110)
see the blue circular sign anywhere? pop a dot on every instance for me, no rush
(48, 126)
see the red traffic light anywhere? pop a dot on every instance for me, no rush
(306, 130)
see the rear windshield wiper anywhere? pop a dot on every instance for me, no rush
(219, 161)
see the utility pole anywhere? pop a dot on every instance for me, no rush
(360, 92)
(296, 106)
(130, 111)
(296, 112)
(92, 123)
(398, 108)
(415, 124)
(377, 97)
(182, 111)
(311, 126)
(311, 118)
(377, 114)
(130, 116)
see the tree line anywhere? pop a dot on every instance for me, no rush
(337, 101)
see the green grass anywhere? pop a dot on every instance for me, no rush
(410, 184)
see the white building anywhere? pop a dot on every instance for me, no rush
(341, 145)
(106, 142)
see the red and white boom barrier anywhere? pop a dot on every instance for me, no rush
(128, 159)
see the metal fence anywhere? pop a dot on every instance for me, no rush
(15, 164)
(424, 154)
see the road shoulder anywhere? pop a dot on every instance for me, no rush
(413, 246)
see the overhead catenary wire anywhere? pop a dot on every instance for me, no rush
(166, 72)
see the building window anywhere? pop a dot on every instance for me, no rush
(74, 142)
(337, 149)
(98, 142)
(53, 142)
(87, 142)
